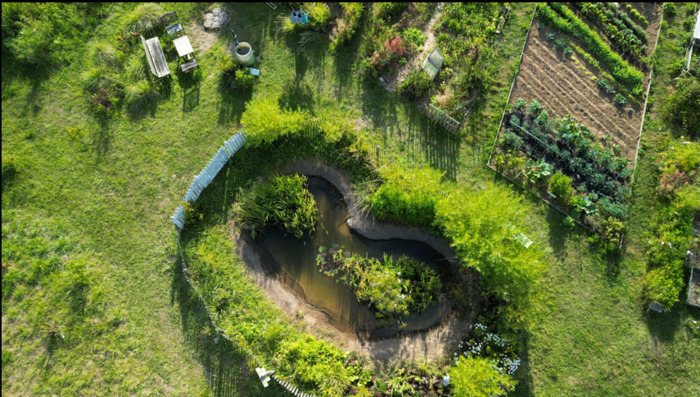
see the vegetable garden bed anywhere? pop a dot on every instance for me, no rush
(566, 165)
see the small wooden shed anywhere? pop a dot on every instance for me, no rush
(156, 58)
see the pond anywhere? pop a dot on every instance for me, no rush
(293, 261)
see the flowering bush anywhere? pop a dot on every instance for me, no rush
(499, 351)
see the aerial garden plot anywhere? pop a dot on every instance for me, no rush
(256, 199)
(571, 129)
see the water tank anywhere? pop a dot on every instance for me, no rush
(243, 53)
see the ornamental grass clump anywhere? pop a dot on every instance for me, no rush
(283, 201)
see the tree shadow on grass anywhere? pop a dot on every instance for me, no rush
(523, 374)
(34, 75)
(233, 99)
(439, 146)
(297, 96)
(226, 366)
(189, 83)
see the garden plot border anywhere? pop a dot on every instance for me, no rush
(499, 132)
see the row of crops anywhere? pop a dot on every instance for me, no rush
(563, 159)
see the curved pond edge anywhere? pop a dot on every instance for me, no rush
(428, 343)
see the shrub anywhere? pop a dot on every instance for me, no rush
(416, 85)
(406, 196)
(680, 110)
(663, 285)
(413, 37)
(389, 9)
(568, 51)
(283, 201)
(348, 25)
(669, 10)
(476, 376)
(319, 14)
(519, 104)
(560, 186)
(560, 43)
(480, 226)
(244, 79)
(265, 121)
(40, 34)
(315, 365)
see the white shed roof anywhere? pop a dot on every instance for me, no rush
(696, 33)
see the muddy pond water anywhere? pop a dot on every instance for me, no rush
(293, 261)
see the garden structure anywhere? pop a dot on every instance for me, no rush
(593, 143)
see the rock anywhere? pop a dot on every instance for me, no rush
(209, 16)
(208, 23)
(216, 11)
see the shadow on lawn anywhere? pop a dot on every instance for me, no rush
(225, 365)
(523, 375)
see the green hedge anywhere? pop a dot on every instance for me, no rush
(569, 23)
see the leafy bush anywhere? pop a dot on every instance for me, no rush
(319, 14)
(560, 43)
(315, 364)
(476, 376)
(283, 201)
(414, 37)
(480, 227)
(416, 85)
(348, 25)
(389, 9)
(42, 34)
(669, 10)
(407, 195)
(680, 109)
(244, 79)
(265, 121)
(560, 185)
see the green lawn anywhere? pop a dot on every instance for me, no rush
(94, 207)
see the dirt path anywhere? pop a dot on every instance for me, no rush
(415, 61)
(428, 345)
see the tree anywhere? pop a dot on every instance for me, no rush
(680, 110)
(476, 376)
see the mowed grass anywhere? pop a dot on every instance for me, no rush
(111, 191)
